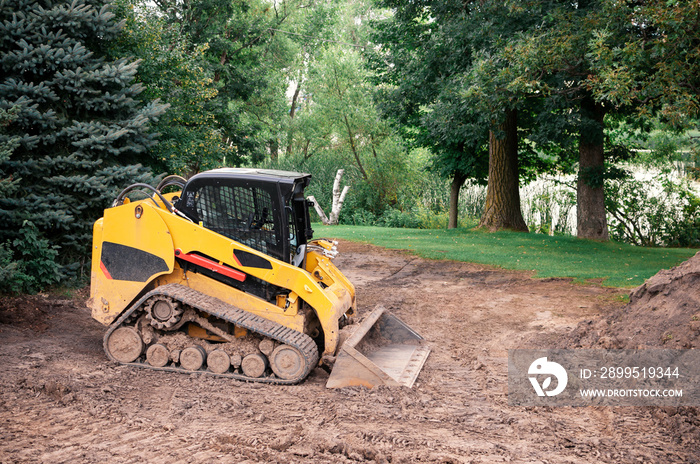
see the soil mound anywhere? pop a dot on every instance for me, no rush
(664, 312)
(28, 311)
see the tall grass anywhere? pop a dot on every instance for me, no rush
(548, 204)
(649, 199)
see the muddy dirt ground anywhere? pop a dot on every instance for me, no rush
(62, 401)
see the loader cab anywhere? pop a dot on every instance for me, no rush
(263, 209)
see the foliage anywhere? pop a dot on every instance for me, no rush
(176, 73)
(650, 58)
(654, 209)
(420, 197)
(450, 72)
(28, 264)
(616, 264)
(416, 218)
(304, 132)
(333, 122)
(655, 204)
(392, 181)
(655, 143)
(341, 97)
(244, 53)
(419, 74)
(80, 126)
(8, 143)
(628, 60)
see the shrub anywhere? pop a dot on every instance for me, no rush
(28, 264)
(399, 219)
(359, 218)
(653, 208)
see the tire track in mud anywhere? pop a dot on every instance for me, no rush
(39, 429)
(42, 431)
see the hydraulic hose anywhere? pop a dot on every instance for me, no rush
(120, 198)
(171, 180)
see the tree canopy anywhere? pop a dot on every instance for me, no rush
(175, 72)
(452, 71)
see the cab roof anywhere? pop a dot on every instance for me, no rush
(255, 174)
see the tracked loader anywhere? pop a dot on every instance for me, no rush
(222, 276)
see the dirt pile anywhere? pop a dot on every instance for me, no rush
(664, 312)
(32, 312)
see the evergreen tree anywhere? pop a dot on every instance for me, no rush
(81, 129)
(7, 146)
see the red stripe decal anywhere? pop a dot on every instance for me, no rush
(105, 271)
(211, 265)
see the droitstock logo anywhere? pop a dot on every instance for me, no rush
(540, 368)
(599, 377)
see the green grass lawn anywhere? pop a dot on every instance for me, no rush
(615, 264)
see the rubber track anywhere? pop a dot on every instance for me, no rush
(239, 317)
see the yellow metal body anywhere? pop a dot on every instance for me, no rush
(147, 226)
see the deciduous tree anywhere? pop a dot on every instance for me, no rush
(245, 54)
(175, 72)
(447, 80)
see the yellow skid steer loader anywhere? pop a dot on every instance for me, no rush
(223, 277)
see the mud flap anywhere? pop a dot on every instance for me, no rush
(382, 351)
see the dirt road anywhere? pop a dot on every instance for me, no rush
(62, 401)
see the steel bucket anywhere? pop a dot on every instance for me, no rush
(383, 350)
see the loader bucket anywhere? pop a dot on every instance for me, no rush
(383, 350)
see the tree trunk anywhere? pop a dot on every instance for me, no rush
(337, 205)
(274, 149)
(590, 199)
(338, 198)
(502, 209)
(292, 112)
(457, 182)
(351, 138)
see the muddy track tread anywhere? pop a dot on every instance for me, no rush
(239, 317)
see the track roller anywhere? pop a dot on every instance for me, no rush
(218, 361)
(193, 358)
(254, 365)
(157, 355)
(125, 344)
(286, 362)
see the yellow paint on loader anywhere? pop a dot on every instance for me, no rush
(131, 225)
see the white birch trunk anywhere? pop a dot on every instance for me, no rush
(337, 205)
(319, 210)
